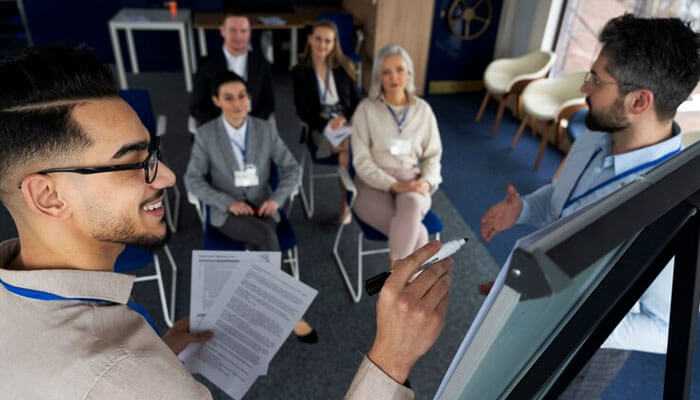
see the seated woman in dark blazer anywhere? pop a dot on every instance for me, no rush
(325, 92)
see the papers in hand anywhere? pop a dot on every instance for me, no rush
(335, 136)
(250, 305)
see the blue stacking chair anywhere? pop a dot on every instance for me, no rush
(135, 258)
(215, 240)
(140, 101)
(431, 221)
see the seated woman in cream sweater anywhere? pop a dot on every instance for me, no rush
(396, 153)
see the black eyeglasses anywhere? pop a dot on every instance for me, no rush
(149, 166)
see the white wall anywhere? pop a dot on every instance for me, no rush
(527, 25)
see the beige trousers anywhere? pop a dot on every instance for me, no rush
(398, 216)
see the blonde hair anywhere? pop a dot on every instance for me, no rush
(336, 57)
(375, 87)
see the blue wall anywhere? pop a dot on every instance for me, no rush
(454, 59)
(85, 22)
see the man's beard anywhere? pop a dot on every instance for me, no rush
(125, 233)
(123, 230)
(611, 120)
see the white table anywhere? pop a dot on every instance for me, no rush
(131, 19)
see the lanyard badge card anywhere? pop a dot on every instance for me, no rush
(248, 177)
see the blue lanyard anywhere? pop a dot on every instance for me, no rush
(400, 120)
(47, 296)
(641, 167)
(245, 141)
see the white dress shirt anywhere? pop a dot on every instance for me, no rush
(327, 96)
(237, 137)
(237, 63)
(595, 176)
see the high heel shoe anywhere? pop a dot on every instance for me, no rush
(309, 338)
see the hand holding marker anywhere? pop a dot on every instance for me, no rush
(374, 284)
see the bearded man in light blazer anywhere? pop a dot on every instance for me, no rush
(232, 159)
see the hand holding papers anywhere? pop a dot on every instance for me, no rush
(251, 306)
(335, 136)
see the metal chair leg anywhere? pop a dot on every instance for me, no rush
(355, 294)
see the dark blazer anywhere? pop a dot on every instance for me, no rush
(259, 82)
(308, 101)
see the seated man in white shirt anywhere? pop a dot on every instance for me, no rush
(238, 56)
(645, 70)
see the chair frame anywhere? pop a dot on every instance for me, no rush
(307, 199)
(168, 311)
(355, 293)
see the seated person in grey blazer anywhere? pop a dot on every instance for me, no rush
(230, 166)
(229, 170)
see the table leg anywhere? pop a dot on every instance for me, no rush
(121, 75)
(293, 47)
(185, 57)
(132, 52)
(190, 44)
(202, 42)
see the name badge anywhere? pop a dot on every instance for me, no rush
(248, 177)
(400, 147)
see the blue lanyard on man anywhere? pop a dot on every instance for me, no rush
(398, 119)
(571, 200)
(47, 296)
(242, 147)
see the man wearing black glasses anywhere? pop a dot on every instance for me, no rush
(81, 178)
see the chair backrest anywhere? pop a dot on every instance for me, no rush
(346, 30)
(140, 101)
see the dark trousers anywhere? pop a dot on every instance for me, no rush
(257, 233)
(595, 377)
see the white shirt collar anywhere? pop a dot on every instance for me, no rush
(631, 159)
(236, 63)
(236, 134)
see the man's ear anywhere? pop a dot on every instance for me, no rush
(215, 100)
(639, 101)
(41, 196)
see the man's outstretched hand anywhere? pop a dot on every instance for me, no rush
(503, 215)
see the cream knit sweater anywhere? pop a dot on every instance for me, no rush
(374, 128)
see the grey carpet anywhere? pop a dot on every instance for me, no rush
(346, 329)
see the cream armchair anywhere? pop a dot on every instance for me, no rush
(548, 102)
(505, 79)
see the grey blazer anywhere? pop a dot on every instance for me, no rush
(210, 172)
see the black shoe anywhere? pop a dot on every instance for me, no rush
(309, 338)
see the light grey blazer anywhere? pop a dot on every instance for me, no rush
(210, 172)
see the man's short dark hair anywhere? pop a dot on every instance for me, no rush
(659, 54)
(40, 88)
(224, 77)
